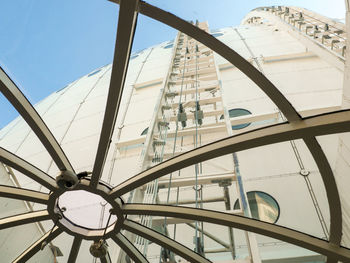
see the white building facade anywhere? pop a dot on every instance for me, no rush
(178, 96)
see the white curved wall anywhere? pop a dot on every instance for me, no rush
(75, 113)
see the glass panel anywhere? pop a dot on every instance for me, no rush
(13, 178)
(237, 113)
(39, 42)
(230, 13)
(83, 210)
(194, 97)
(282, 182)
(152, 251)
(262, 206)
(7, 121)
(273, 249)
(184, 115)
(14, 246)
(336, 147)
(32, 45)
(12, 207)
(84, 254)
(62, 243)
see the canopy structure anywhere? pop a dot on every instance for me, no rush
(226, 146)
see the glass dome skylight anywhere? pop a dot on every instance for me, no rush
(198, 155)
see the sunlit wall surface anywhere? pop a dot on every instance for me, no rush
(282, 182)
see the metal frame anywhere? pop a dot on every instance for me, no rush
(331, 189)
(36, 246)
(125, 35)
(30, 115)
(129, 248)
(102, 190)
(223, 50)
(75, 250)
(22, 219)
(313, 126)
(106, 259)
(26, 168)
(164, 241)
(296, 128)
(240, 222)
(23, 194)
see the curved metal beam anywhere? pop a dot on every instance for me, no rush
(26, 168)
(36, 246)
(30, 115)
(125, 35)
(22, 219)
(164, 241)
(129, 248)
(223, 50)
(331, 189)
(23, 194)
(74, 251)
(282, 233)
(226, 52)
(318, 125)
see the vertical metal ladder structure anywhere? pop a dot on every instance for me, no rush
(189, 105)
(153, 151)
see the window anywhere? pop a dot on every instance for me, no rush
(262, 206)
(169, 46)
(217, 34)
(145, 131)
(62, 89)
(95, 72)
(134, 56)
(237, 113)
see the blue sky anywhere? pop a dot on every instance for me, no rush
(44, 45)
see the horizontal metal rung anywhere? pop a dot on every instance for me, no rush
(203, 179)
(159, 142)
(200, 89)
(219, 127)
(206, 114)
(188, 202)
(200, 72)
(202, 102)
(157, 221)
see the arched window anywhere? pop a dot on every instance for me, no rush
(95, 72)
(217, 34)
(134, 56)
(145, 131)
(169, 46)
(262, 206)
(237, 113)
